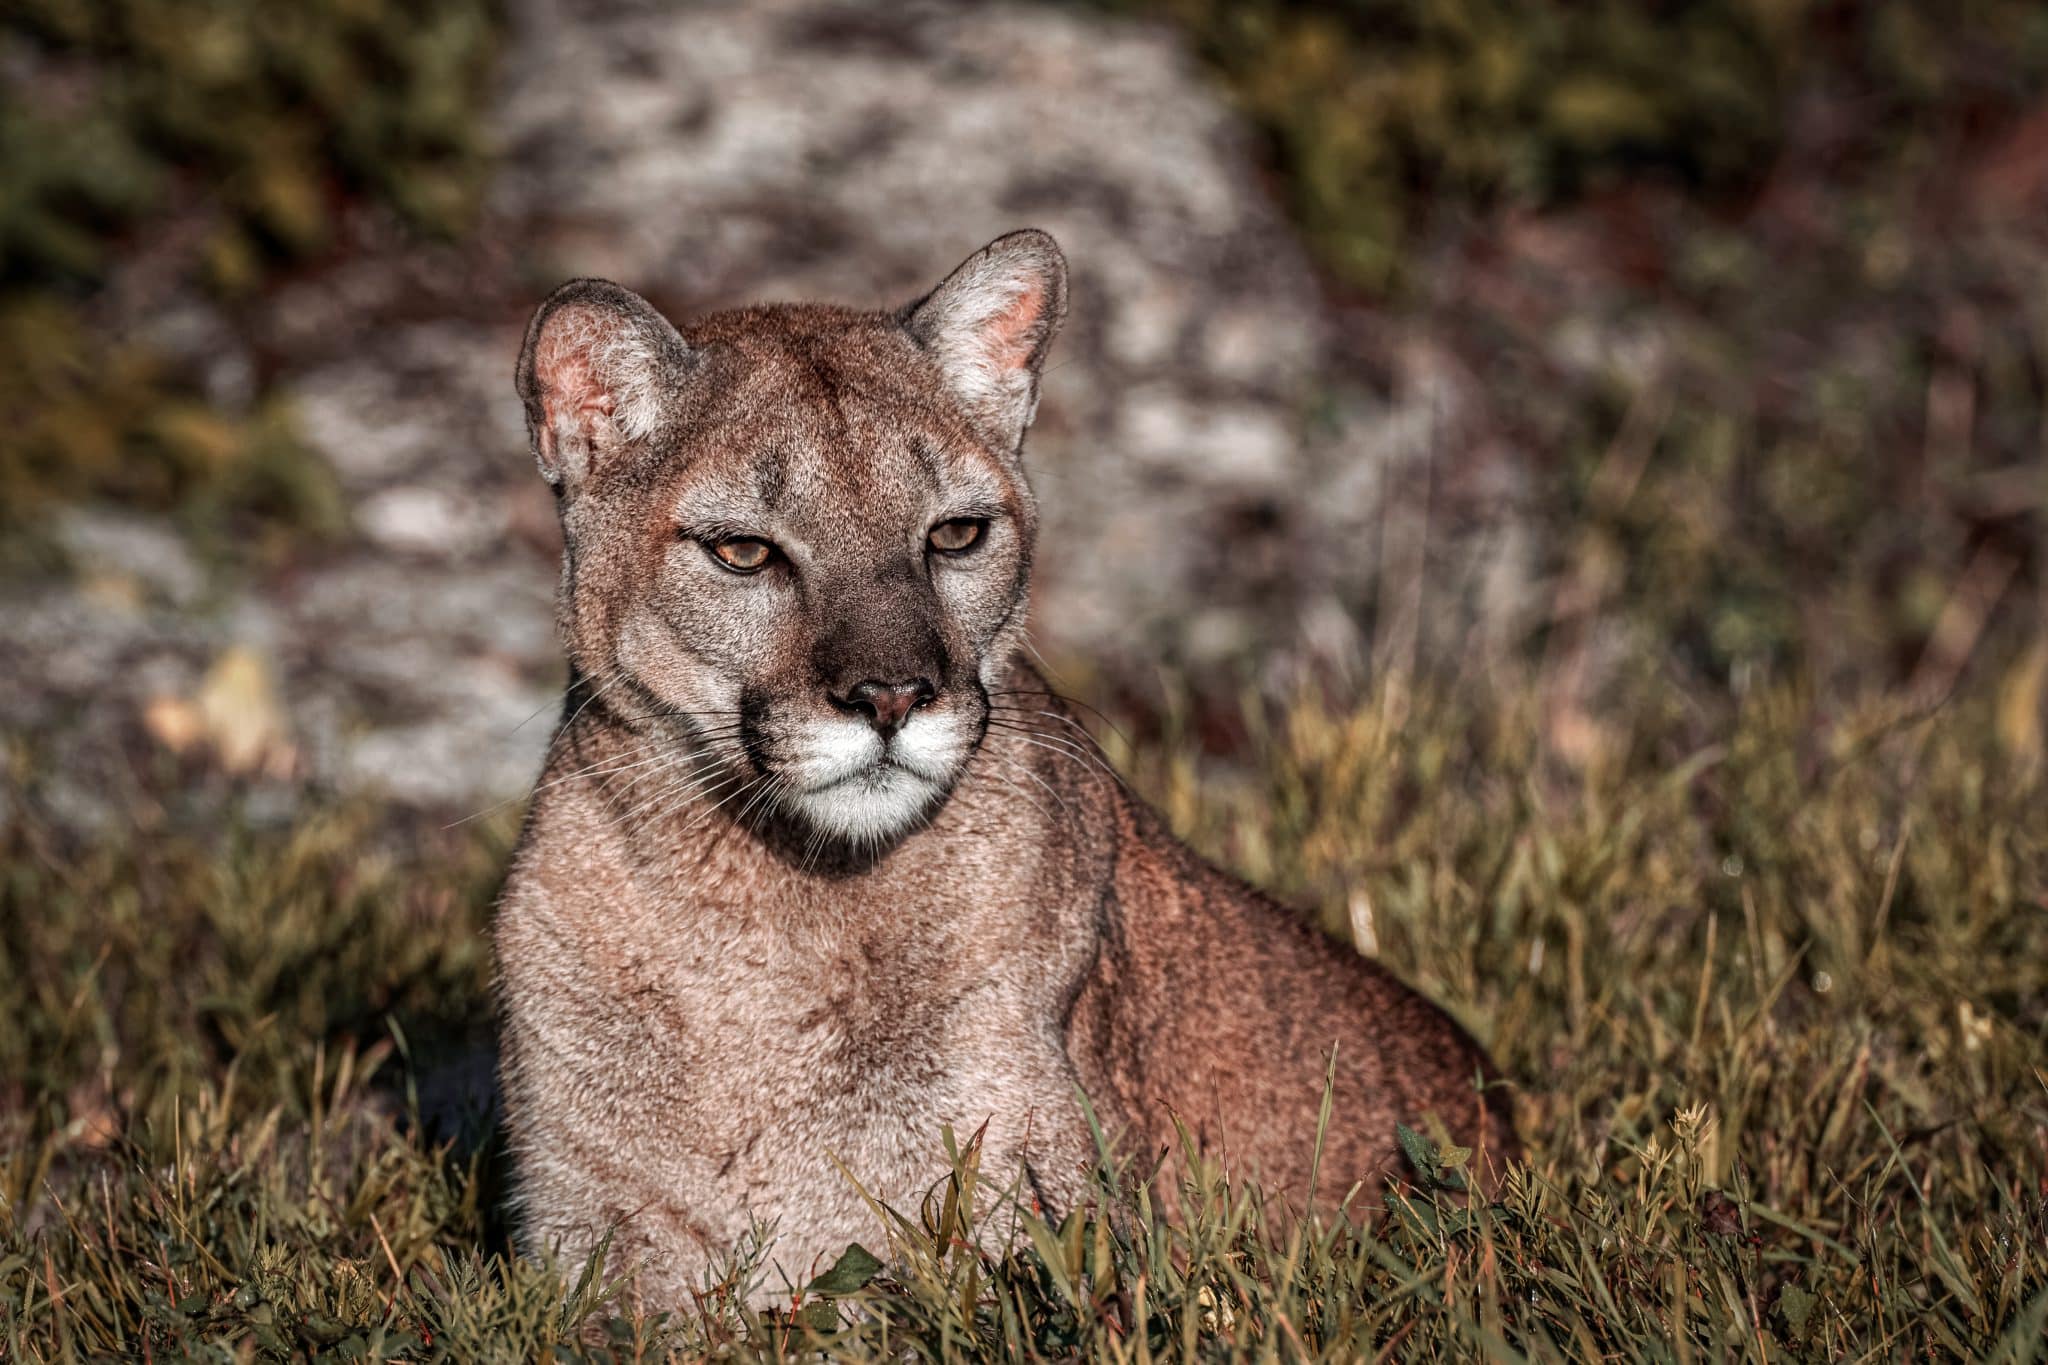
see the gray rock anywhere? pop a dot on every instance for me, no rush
(720, 154)
(716, 154)
(103, 542)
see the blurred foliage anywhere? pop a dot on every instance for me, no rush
(272, 115)
(213, 143)
(1381, 111)
(1818, 469)
(111, 420)
(1749, 290)
(1777, 989)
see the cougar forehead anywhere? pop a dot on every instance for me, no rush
(833, 423)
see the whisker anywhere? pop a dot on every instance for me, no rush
(1016, 722)
(674, 800)
(769, 792)
(1025, 795)
(1087, 737)
(717, 734)
(671, 797)
(1044, 663)
(617, 676)
(1049, 791)
(696, 764)
(1020, 714)
(722, 801)
(1053, 744)
(550, 702)
(692, 761)
(1087, 758)
(1062, 697)
(702, 736)
(613, 677)
(677, 800)
(659, 707)
(814, 843)
(599, 769)
(610, 768)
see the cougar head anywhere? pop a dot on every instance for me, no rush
(798, 538)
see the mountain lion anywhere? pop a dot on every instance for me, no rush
(818, 862)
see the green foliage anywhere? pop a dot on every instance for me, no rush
(270, 115)
(1773, 985)
(1746, 292)
(221, 141)
(93, 417)
(1380, 110)
(69, 181)
(1375, 106)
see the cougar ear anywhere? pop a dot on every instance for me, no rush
(597, 369)
(989, 326)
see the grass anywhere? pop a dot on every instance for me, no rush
(1770, 980)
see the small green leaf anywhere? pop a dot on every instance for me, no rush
(1795, 1306)
(1423, 1156)
(1419, 1216)
(322, 1330)
(854, 1268)
(1417, 1149)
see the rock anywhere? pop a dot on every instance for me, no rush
(719, 154)
(1200, 505)
(108, 545)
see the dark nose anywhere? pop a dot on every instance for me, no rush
(886, 704)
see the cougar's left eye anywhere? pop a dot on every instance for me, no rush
(744, 554)
(961, 533)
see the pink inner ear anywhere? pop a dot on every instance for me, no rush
(1009, 333)
(569, 383)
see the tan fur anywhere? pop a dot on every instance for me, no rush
(715, 986)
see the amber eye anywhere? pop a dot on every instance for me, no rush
(744, 554)
(961, 533)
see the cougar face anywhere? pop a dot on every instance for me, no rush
(842, 564)
(799, 538)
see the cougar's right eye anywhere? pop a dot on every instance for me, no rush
(744, 554)
(956, 536)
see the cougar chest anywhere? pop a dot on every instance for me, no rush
(837, 1008)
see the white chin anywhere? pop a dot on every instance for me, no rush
(869, 808)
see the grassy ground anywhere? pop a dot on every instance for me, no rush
(1771, 984)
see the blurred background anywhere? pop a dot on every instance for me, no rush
(1556, 490)
(1675, 347)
